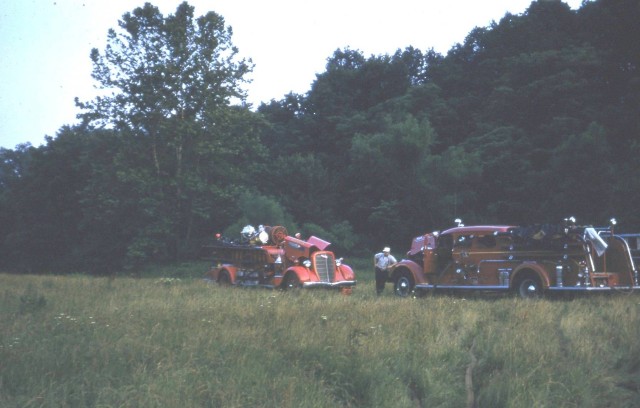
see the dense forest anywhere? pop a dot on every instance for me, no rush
(529, 120)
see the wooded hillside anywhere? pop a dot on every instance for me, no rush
(529, 120)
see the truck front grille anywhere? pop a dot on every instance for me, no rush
(325, 266)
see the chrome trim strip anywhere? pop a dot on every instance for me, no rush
(466, 287)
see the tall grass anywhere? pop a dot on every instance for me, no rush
(80, 341)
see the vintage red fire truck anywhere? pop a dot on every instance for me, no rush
(528, 261)
(274, 259)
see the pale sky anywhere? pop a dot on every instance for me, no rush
(45, 45)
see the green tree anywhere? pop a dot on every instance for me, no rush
(508, 193)
(581, 177)
(385, 178)
(456, 175)
(43, 234)
(185, 148)
(287, 131)
(14, 167)
(258, 209)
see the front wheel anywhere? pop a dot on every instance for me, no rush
(292, 282)
(529, 288)
(403, 284)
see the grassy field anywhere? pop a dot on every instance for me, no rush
(78, 341)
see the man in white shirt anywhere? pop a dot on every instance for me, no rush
(381, 262)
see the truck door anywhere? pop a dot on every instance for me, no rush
(444, 264)
(430, 256)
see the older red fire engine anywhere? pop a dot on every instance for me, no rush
(272, 258)
(528, 261)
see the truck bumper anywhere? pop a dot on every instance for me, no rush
(340, 284)
(594, 289)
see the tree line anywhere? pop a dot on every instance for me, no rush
(528, 120)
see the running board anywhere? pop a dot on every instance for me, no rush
(551, 288)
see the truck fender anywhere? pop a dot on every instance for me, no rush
(528, 268)
(228, 269)
(346, 272)
(304, 275)
(412, 267)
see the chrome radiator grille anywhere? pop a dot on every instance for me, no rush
(325, 266)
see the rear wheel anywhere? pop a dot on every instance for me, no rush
(224, 279)
(529, 287)
(403, 285)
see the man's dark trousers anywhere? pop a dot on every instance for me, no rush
(381, 279)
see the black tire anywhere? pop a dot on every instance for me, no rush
(529, 287)
(224, 279)
(403, 284)
(291, 282)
